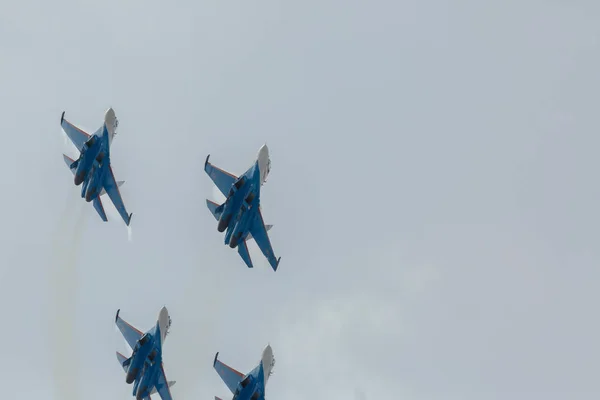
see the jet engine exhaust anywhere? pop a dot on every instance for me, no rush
(223, 223)
(79, 178)
(131, 374)
(234, 240)
(89, 194)
(140, 392)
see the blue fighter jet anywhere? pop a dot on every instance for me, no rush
(251, 386)
(145, 367)
(241, 213)
(93, 168)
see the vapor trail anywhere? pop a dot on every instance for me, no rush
(63, 290)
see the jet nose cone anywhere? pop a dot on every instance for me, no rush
(164, 312)
(268, 351)
(263, 152)
(110, 119)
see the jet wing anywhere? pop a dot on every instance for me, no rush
(258, 230)
(131, 334)
(162, 386)
(221, 178)
(77, 135)
(112, 188)
(230, 376)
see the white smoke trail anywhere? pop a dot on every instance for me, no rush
(63, 280)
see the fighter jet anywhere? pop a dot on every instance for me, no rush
(93, 168)
(241, 213)
(251, 386)
(145, 367)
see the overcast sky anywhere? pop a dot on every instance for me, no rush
(434, 195)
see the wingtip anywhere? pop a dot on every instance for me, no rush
(129, 220)
(206, 162)
(215, 360)
(62, 117)
(117, 316)
(277, 265)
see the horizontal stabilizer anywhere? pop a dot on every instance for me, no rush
(69, 161)
(124, 361)
(212, 206)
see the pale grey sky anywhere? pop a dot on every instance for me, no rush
(433, 189)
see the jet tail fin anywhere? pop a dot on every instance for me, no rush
(100, 208)
(244, 253)
(103, 191)
(169, 384)
(267, 227)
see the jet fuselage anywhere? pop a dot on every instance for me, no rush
(148, 379)
(138, 358)
(93, 159)
(250, 388)
(145, 363)
(84, 163)
(240, 207)
(144, 367)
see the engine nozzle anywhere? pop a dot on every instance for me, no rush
(131, 374)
